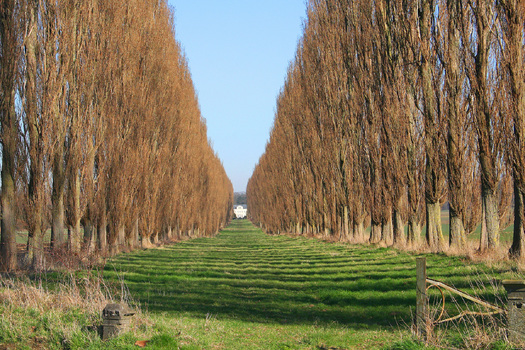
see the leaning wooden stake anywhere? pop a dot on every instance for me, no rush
(421, 299)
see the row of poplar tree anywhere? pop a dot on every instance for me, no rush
(392, 108)
(102, 136)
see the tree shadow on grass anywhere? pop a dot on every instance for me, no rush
(245, 275)
(276, 301)
(277, 307)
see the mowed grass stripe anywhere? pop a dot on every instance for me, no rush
(243, 274)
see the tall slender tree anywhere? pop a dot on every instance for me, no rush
(511, 15)
(10, 43)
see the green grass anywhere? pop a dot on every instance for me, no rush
(246, 290)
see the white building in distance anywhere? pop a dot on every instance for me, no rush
(240, 211)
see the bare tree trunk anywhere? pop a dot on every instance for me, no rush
(102, 233)
(58, 236)
(35, 249)
(146, 242)
(458, 137)
(346, 225)
(326, 226)
(339, 227)
(30, 251)
(8, 251)
(434, 235)
(31, 120)
(75, 238)
(387, 233)
(177, 232)
(133, 242)
(457, 237)
(9, 130)
(490, 208)
(517, 250)
(89, 237)
(359, 231)
(399, 229)
(414, 233)
(39, 253)
(116, 236)
(486, 122)
(512, 16)
(121, 237)
(434, 179)
(375, 233)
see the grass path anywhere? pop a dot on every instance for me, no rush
(246, 290)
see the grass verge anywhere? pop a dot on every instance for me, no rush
(246, 290)
(279, 292)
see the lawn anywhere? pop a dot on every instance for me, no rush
(246, 290)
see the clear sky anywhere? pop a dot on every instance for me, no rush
(238, 52)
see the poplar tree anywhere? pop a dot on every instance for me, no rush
(512, 21)
(10, 44)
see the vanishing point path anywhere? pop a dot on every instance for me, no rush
(245, 278)
(245, 274)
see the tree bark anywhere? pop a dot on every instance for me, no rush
(457, 237)
(414, 233)
(133, 241)
(38, 251)
(89, 239)
(387, 233)
(75, 237)
(326, 226)
(375, 233)
(9, 132)
(434, 234)
(512, 14)
(8, 250)
(490, 208)
(33, 121)
(359, 232)
(399, 230)
(456, 161)
(102, 233)
(346, 225)
(485, 122)
(58, 236)
(121, 237)
(517, 250)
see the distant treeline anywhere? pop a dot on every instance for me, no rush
(239, 198)
(390, 109)
(102, 136)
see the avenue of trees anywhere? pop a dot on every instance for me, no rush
(392, 108)
(103, 142)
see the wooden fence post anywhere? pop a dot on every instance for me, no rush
(421, 299)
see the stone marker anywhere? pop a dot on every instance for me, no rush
(516, 310)
(116, 318)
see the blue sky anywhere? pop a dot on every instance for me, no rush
(238, 52)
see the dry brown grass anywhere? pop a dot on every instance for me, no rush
(88, 294)
(64, 314)
(479, 327)
(35, 316)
